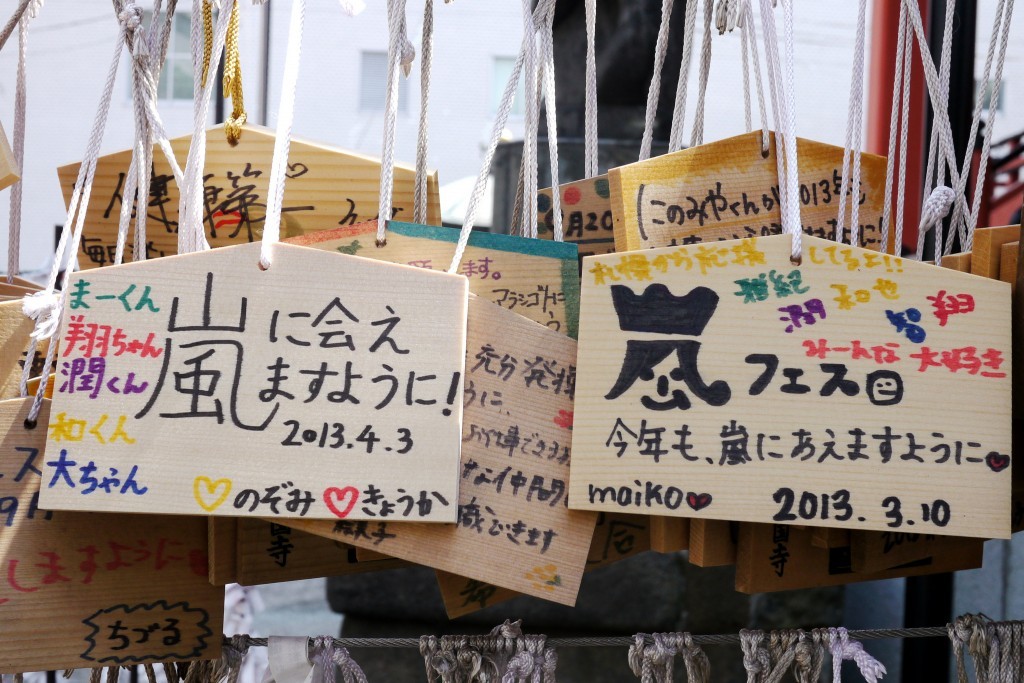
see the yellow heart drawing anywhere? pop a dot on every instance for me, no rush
(211, 490)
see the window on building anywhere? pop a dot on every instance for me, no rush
(373, 83)
(502, 72)
(990, 89)
(176, 76)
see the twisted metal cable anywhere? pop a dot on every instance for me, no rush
(626, 641)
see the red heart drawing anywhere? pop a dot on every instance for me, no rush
(698, 501)
(997, 462)
(332, 493)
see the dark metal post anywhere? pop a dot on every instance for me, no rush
(961, 82)
(929, 599)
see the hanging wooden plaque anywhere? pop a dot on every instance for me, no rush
(462, 595)
(727, 190)
(713, 542)
(536, 279)
(514, 528)
(724, 382)
(1008, 264)
(222, 547)
(616, 537)
(586, 215)
(10, 172)
(669, 534)
(89, 590)
(872, 551)
(959, 262)
(341, 377)
(776, 557)
(327, 187)
(986, 252)
(269, 552)
(15, 331)
(830, 537)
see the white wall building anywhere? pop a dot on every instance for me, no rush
(340, 92)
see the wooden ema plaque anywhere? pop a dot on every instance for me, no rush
(514, 527)
(726, 190)
(327, 187)
(959, 262)
(222, 547)
(1008, 264)
(669, 534)
(462, 595)
(713, 542)
(339, 375)
(269, 552)
(15, 331)
(586, 215)
(830, 537)
(986, 254)
(538, 280)
(10, 173)
(88, 589)
(723, 382)
(873, 551)
(616, 537)
(776, 557)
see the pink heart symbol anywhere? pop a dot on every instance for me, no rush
(333, 495)
(698, 501)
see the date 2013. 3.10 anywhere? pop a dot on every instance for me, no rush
(807, 505)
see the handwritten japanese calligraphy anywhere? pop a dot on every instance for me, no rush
(221, 354)
(791, 392)
(90, 577)
(512, 511)
(344, 185)
(728, 189)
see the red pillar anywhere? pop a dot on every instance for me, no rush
(884, 25)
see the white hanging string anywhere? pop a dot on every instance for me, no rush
(283, 134)
(504, 108)
(1000, 31)
(773, 68)
(854, 128)
(898, 105)
(590, 164)
(20, 99)
(937, 99)
(783, 102)
(937, 197)
(654, 91)
(675, 138)
(729, 15)
(935, 170)
(191, 232)
(791, 217)
(533, 96)
(908, 62)
(540, 83)
(13, 22)
(45, 307)
(547, 82)
(749, 37)
(426, 52)
(745, 60)
(400, 54)
(148, 50)
(697, 135)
